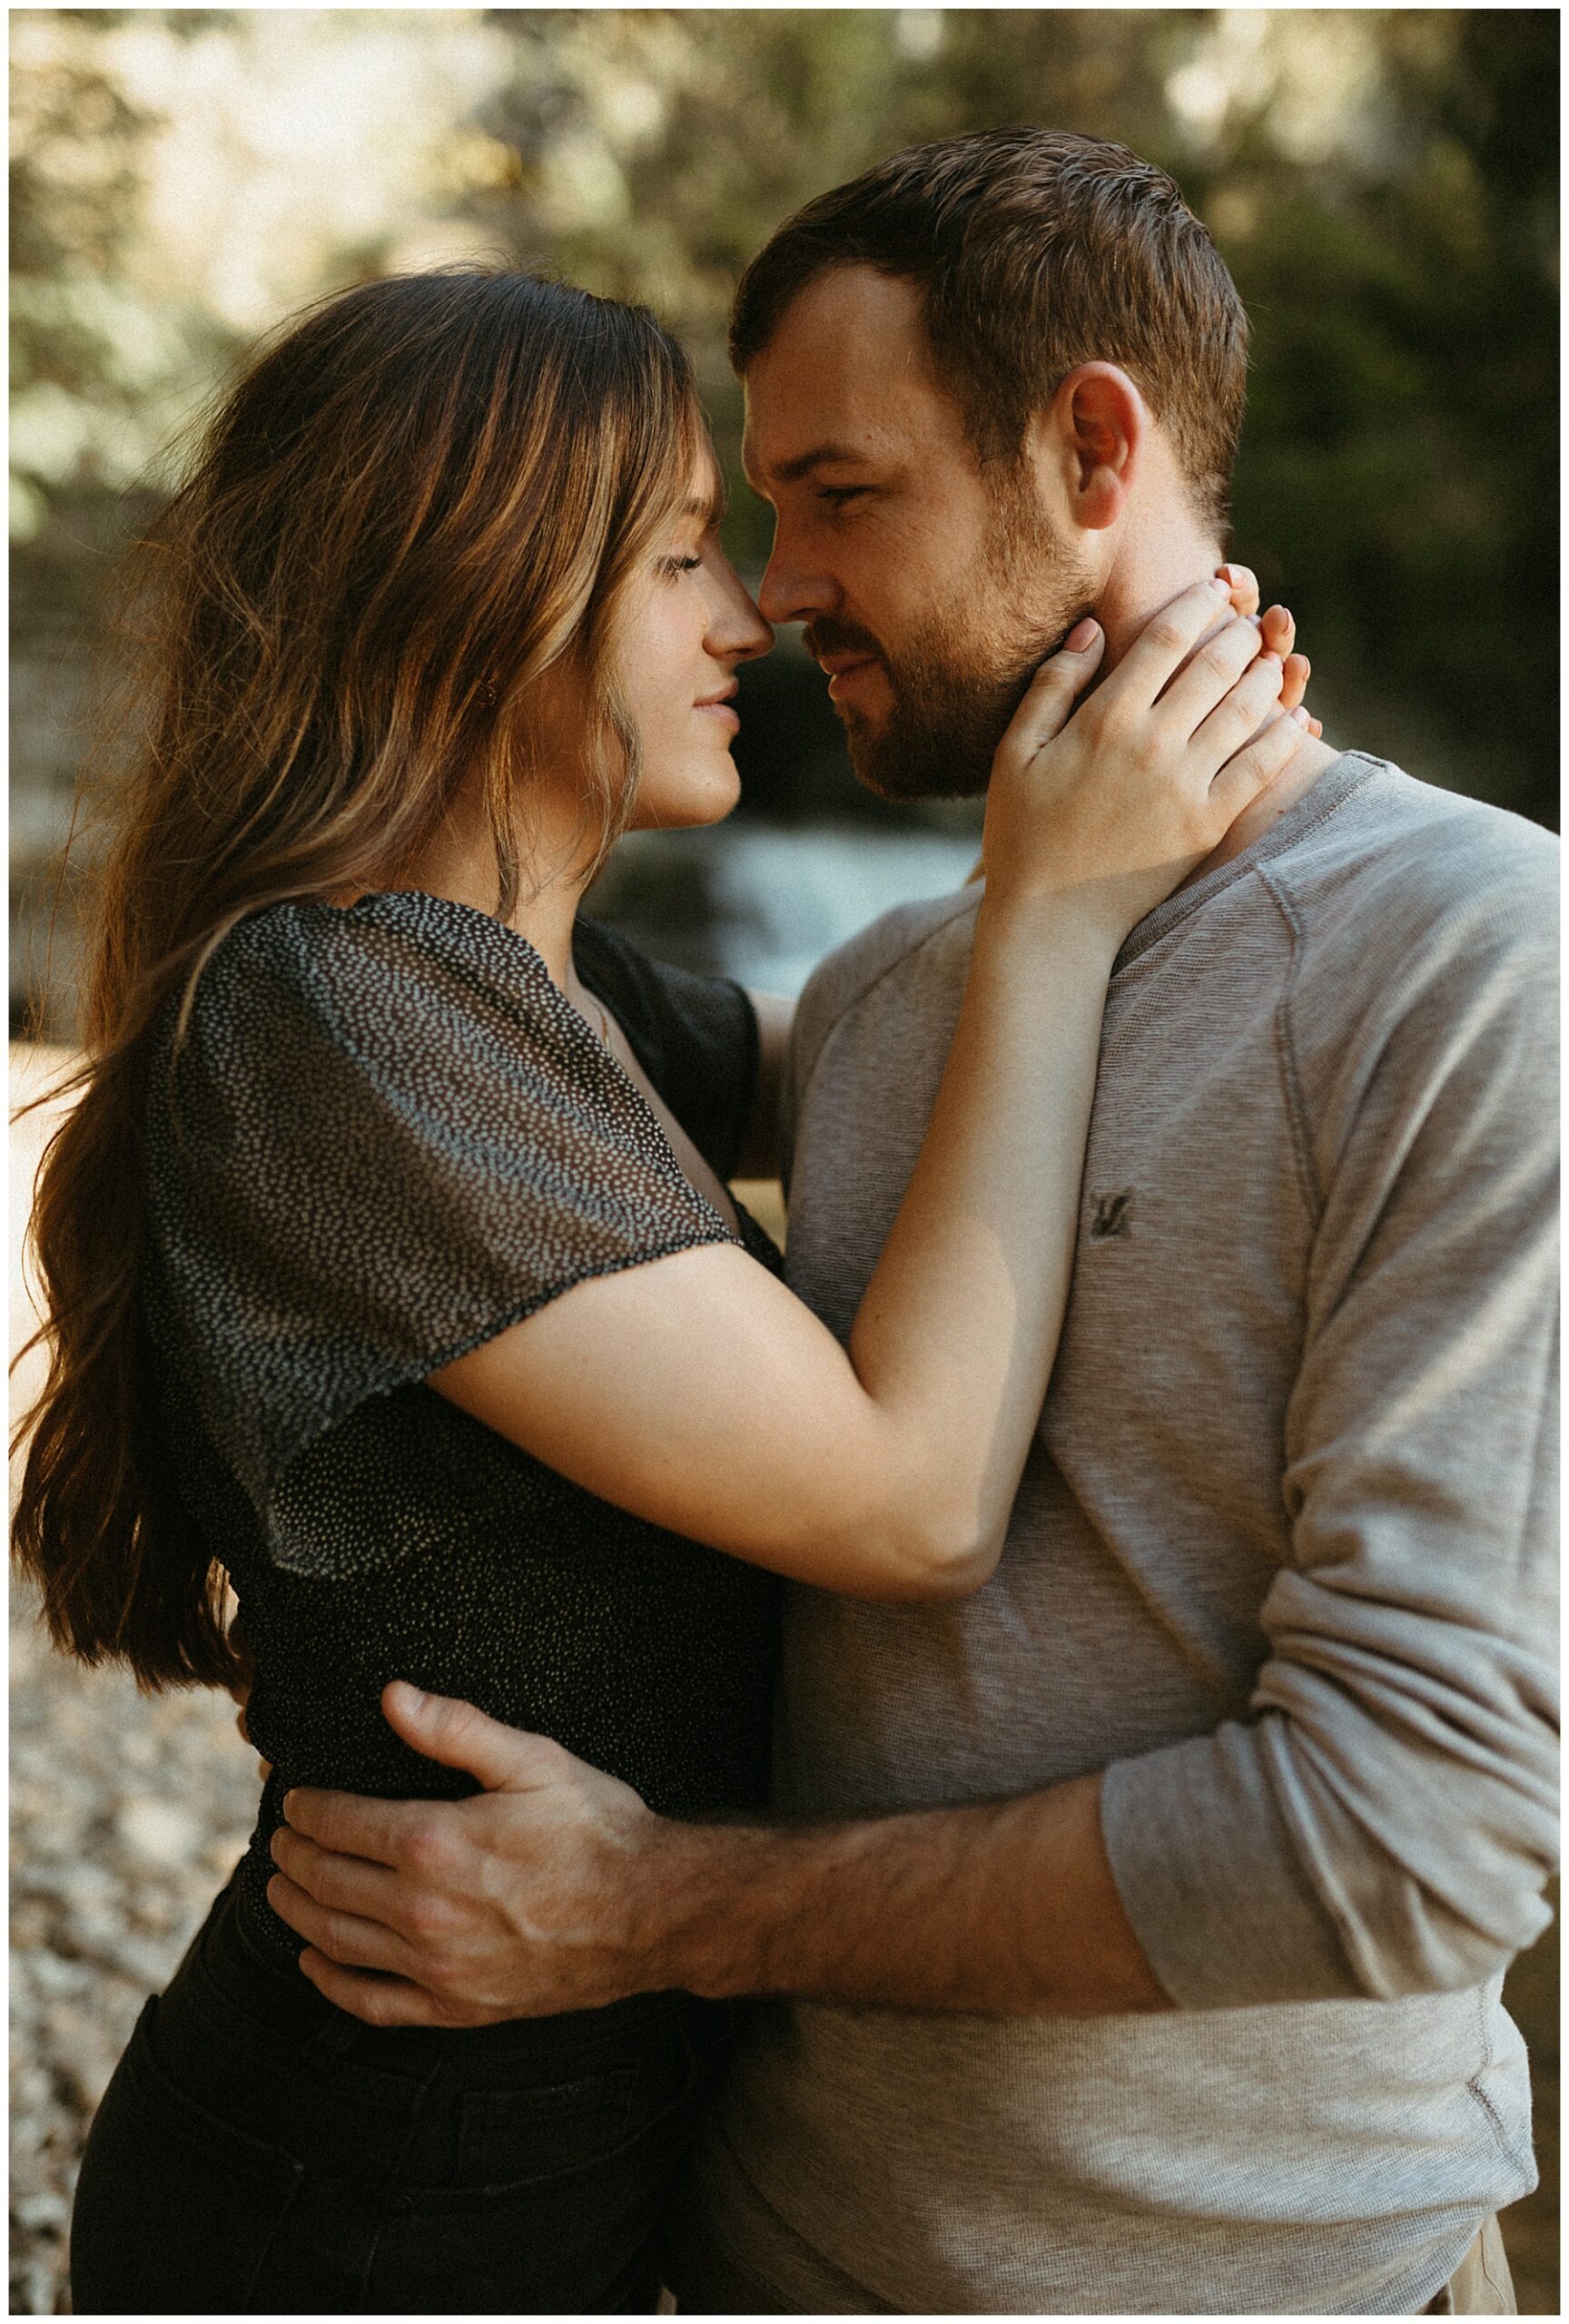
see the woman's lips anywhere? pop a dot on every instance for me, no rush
(722, 712)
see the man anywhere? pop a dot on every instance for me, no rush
(1139, 1944)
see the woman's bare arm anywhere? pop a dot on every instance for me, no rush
(697, 1393)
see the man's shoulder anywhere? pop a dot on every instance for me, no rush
(1425, 931)
(844, 976)
(1415, 862)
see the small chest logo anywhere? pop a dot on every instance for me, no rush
(1111, 1217)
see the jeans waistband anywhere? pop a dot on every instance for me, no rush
(246, 1969)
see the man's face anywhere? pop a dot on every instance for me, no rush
(931, 588)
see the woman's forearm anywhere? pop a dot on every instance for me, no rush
(956, 1335)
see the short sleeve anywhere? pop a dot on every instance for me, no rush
(385, 1138)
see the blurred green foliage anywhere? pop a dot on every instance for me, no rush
(1382, 184)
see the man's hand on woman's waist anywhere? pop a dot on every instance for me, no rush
(556, 1888)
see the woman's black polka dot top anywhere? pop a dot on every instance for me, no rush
(384, 1137)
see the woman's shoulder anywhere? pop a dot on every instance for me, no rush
(398, 1011)
(402, 936)
(375, 980)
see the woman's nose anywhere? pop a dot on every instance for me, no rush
(738, 632)
(756, 635)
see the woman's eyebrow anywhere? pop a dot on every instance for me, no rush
(712, 509)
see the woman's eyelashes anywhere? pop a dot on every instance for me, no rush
(672, 566)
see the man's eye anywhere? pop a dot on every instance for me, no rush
(836, 494)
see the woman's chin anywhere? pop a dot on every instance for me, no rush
(688, 804)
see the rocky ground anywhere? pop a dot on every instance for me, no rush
(127, 1815)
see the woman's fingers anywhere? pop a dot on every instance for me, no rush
(1166, 642)
(1054, 689)
(1209, 676)
(1238, 717)
(1243, 584)
(1254, 768)
(1279, 629)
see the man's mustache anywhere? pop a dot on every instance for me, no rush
(826, 636)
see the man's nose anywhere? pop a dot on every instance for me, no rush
(792, 589)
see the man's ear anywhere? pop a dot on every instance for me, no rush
(1085, 446)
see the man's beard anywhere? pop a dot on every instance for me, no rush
(956, 683)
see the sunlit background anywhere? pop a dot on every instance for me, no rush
(1383, 185)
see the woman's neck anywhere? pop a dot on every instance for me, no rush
(459, 863)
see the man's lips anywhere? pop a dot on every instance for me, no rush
(844, 669)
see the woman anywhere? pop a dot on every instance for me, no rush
(392, 1269)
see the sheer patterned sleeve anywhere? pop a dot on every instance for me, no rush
(385, 1138)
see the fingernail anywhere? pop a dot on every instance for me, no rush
(1307, 664)
(1081, 635)
(1301, 717)
(1221, 586)
(1268, 656)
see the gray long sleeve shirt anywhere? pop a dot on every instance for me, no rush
(1280, 1561)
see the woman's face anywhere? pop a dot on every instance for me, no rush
(688, 624)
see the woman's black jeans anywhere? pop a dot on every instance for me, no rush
(258, 2152)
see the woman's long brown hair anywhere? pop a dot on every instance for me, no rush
(418, 500)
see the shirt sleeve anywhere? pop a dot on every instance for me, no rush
(385, 1138)
(1384, 1823)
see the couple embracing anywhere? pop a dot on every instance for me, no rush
(866, 1783)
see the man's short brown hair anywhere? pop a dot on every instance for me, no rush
(1034, 251)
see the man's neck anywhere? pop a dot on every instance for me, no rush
(1148, 574)
(1156, 559)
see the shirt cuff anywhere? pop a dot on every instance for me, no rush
(1204, 1865)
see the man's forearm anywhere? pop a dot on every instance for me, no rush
(1006, 1905)
(556, 1888)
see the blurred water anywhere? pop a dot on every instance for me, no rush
(788, 896)
(763, 901)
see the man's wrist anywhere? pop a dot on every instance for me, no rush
(726, 1910)
(693, 1922)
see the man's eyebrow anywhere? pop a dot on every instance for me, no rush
(790, 472)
